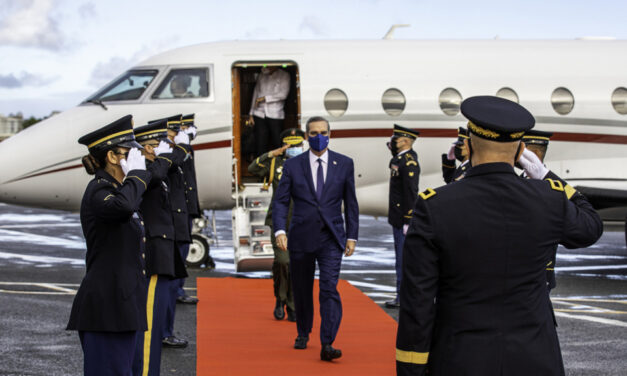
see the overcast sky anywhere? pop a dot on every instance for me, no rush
(54, 53)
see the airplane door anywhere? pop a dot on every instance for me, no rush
(244, 77)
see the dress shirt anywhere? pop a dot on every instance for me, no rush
(313, 162)
(274, 87)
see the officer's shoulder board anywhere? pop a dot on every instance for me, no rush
(557, 185)
(427, 194)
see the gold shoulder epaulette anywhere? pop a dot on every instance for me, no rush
(558, 186)
(427, 194)
(410, 163)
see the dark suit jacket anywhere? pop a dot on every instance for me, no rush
(309, 215)
(474, 300)
(112, 295)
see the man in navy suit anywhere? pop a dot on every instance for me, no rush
(317, 182)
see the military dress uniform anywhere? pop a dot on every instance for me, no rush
(270, 168)
(404, 176)
(474, 301)
(110, 305)
(450, 172)
(163, 260)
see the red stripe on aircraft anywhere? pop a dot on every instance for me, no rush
(213, 145)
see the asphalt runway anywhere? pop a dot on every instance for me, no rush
(42, 264)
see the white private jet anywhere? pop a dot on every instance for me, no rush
(576, 89)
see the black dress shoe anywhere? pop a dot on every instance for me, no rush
(301, 342)
(279, 313)
(186, 299)
(393, 303)
(172, 341)
(328, 353)
(291, 315)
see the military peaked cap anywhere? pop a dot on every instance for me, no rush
(292, 136)
(188, 120)
(496, 119)
(156, 130)
(119, 133)
(173, 122)
(400, 131)
(462, 134)
(534, 137)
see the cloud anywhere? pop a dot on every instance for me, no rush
(87, 11)
(29, 23)
(313, 24)
(11, 81)
(105, 71)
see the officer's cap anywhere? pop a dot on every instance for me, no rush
(400, 131)
(119, 133)
(496, 119)
(462, 134)
(188, 120)
(292, 136)
(154, 131)
(173, 122)
(534, 137)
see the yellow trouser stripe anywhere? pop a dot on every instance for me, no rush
(412, 357)
(150, 305)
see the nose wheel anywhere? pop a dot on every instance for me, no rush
(199, 252)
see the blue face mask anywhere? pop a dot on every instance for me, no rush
(318, 143)
(293, 151)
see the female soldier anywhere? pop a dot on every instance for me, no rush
(110, 306)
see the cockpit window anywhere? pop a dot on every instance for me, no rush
(184, 83)
(128, 87)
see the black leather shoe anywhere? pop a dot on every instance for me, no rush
(328, 353)
(301, 342)
(172, 341)
(186, 299)
(393, 304)
(291, 315)
(279, 313)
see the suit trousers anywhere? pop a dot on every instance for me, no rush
(303, 267)
(148, 349)
(399, 239)
(267, 134)
(107, 353)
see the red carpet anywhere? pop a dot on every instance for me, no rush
(237, 334)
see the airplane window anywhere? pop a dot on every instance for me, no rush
(450, 100)
(393, 102)
(184, 83)
(507, 93)
(562, 101)
(128, 87)
(619, 100)
(336, 102)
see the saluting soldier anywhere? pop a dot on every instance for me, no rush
(270, 167)
(459, 151)
(180, 219)
(404, 176)
(163, 260)
(110, 306)
(473, 300)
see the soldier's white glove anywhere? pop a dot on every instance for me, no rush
(191, 131)
(181, 138)
(451, 153)
(532, 165)
(405, 228)
(134, 161)
(163, 147)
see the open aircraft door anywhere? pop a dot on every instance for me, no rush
(251, 237)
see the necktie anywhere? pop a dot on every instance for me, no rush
(319, 180)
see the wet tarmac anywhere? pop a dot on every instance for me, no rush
(42, 263)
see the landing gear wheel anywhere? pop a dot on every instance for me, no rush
(198, 251)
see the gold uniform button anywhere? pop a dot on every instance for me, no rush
(398, 204)
(144, 272)
(164, 236)
(178, 210)
(190, 188)
(144, 239)
(142, 222)
(143, 255)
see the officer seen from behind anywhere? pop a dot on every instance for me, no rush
(270, 167)
(404, 176)
(474, 300)
(110, 305)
